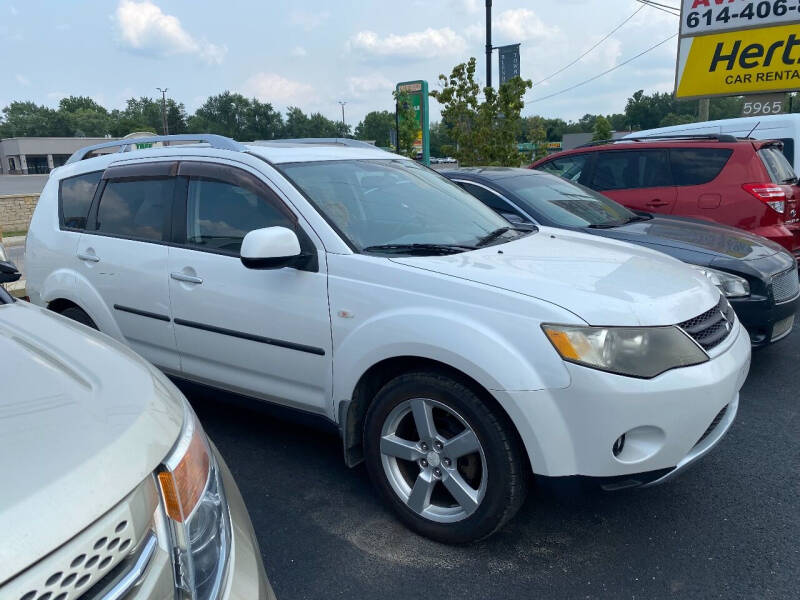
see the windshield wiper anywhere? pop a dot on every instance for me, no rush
(420, 248)
(492, 236)
(604, 225)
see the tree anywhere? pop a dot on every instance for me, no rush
(485, 132)
(315, 125)
(602, 129)
(144, 114)
(26, 119)
(535, 131)
(376, 126)
(408, 127)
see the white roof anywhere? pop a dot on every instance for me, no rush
(298, 152)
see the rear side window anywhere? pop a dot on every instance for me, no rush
(490, 199)
(779, 169)
(136, 208)
(625, 170)
(788, 149)
(569, 167)
(75, 197)
(220, 214)
(695, 166)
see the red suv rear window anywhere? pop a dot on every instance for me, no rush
(779, 169)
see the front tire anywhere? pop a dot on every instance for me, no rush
(77, 314)
(447, 462)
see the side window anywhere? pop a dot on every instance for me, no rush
(220, 214)
(788, 149)
(137, 208)
(695, 166)
(75, 197)
(624, 170)
(493, 201)
(569, 167)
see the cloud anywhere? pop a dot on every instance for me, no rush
(22, 80)
(271, 87)
(299, 51)
(13, 10)
(362, 86)
(145, 29)
(522, 24)
(419, 44)
(468, 6)
(307, 19)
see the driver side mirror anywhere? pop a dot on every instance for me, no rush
(271, 248)
(8, 272)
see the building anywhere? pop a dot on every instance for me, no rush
(39, 155)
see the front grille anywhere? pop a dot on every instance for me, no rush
(713, 425)
(785, 285)
(712, 327)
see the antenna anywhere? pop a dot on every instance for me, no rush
(753, 129)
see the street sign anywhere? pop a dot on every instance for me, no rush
(418, 93)
(764, 104)
(509, 62)
(735, 47)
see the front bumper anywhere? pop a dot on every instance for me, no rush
(760, 314)
(572, 431)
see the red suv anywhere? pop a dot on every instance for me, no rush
(747, 184)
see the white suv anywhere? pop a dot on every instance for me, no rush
(110, 488)
(455, 353)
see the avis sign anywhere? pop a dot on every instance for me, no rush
(735, 47)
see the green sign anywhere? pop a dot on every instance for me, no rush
(418, 93)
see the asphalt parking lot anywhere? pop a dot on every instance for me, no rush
(728, 528)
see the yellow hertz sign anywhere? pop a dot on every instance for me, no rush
(740, 62)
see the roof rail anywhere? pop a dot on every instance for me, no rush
(318, 141)
(719, 137)
(215, 141)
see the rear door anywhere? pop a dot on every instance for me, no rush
(123, 255)
(264, 333)
(638, 179)
(694, 171)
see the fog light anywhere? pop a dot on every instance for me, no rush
(618, 445)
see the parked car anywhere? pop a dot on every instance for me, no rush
(747, 184)
(455, 354)
(110, 487)
(782, 127)
(759, 277)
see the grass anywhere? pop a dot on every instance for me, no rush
(14, 233)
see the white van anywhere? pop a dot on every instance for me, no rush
(785, 128)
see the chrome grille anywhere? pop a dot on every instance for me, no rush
(713, 425)
(712, 327)
(785, 285)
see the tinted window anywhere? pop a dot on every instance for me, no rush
(788, 149)
(563, 203)
(377, 202)
(568, 167)
(75, 197)
(695, 166)
(136, 209)
(220, 214)
(779, 169)
(624, 170)
(493, 201)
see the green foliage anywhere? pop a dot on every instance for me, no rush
(535, 130)
(235, 116)
(376, 126)
(408, 126)
(485, 132)
(440, 139)
(300, 125)
(602, 129)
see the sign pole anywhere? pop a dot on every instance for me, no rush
(705, 104)
(488, 43)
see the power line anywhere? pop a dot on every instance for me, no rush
(670, 10)
(606, 72)
(612, 32)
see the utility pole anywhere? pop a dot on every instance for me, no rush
(164, 109)
(488, 43)
(342, 103)
(703, 108)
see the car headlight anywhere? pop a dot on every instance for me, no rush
(731, 285)
(642, 352)
(195, 503)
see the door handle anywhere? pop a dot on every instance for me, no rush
(88, 257)
(657, 202)
(186, 278)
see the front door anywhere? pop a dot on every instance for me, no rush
(264, 333)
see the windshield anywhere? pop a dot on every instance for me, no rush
(564, 203)
(398, 203)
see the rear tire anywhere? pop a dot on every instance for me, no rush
(77, 314)
(447, 462)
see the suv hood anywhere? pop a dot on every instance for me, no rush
(83, 421)
(695, 236)
(602, 281)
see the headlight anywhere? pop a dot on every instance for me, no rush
(3, 252)
(732, 286)
(633, 351)
(198, 512)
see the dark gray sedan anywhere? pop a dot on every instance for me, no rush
(758, 276)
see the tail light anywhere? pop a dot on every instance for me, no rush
(769, 193)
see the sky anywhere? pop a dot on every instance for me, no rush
(314, 54)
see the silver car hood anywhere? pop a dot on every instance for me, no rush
(83, 420)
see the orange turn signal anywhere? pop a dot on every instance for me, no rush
(182, 487)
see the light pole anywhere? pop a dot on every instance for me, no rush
(342, 103)
(164, 109)
(488, 43)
